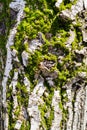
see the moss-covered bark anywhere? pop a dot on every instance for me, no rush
(49, 65)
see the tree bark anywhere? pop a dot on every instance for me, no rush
(43, 65)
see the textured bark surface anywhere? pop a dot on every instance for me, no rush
(43, 65)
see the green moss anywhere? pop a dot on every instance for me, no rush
(25, 125)
(17, 111)
(22, 94)
(78, 33)
(46, 121)
(43, 20)
(33, 23)
(63, 101)
(33, 64)
(66, 4)
(46, 110)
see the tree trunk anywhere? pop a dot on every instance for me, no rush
(43, 65)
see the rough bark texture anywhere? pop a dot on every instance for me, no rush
(43, 65)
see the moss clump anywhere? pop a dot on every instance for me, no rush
(22, 95)
(46, 121)
(46, 110)
(45, 19)
(66, 4)
(25, 126)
